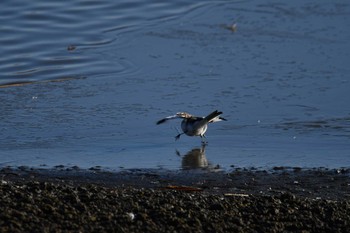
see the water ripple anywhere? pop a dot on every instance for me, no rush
(58, 40)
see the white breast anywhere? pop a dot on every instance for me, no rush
(193, 128)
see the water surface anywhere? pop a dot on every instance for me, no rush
(84, 83)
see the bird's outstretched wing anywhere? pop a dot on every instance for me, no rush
(168, 118)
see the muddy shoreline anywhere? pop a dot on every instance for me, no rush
(244, 200)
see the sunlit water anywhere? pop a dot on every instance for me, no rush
(85, 81)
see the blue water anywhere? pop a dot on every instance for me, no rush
(83, 83)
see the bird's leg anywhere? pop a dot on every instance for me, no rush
(203, 139)
(177, 137)
(178, 153)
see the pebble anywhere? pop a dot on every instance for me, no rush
(48, 206)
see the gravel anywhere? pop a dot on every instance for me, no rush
(148, 201)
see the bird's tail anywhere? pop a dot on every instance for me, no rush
(214, 117)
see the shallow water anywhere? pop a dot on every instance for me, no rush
(84, 83)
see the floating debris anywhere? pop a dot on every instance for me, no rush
(71, 47)
(231, 27)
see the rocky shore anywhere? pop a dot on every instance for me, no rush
(244, 200)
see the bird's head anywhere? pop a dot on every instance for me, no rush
(183, 115)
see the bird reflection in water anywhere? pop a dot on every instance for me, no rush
(194, 159)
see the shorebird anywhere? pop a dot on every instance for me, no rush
(193, 125)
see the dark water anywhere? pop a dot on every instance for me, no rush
(83, 83)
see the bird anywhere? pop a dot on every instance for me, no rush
(194, 125)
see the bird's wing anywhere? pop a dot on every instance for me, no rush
(168, 118)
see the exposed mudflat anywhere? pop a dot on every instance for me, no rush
(71, 199)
